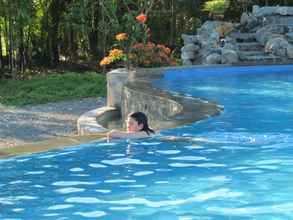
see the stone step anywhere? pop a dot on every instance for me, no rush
(252, 53)
(268, 58)
(250, 46)
(244, 37)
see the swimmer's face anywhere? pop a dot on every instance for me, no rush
(132, 125)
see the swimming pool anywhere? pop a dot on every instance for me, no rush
(241, 169)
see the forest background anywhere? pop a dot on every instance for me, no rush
(76, 34)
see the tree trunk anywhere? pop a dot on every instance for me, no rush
(173, 25)
(21, 55)
(93, 33)
(12, 65)
(1, 55)
(56, 9)
(72, 45)
(54, 14)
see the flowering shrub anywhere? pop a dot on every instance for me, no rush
(136, 50)
(150, 55)
(114, 55)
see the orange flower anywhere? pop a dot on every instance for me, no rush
(142, 18)
(105, 61)
(121, 36)
(115, 53)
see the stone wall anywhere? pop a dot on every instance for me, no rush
(163, 109)
(208, 46)
(272, 27)
(159, 107)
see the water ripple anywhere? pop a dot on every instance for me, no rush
(220, 193)
(61, 206)
(76, 169)
(119, 181)
(143, 173)
(121, 208)
(189, 158)
(83, 200)
(73, 183)
(35, 172)
(249, 211)
(168, 152)
(68, 190)
(97, 165)
(94, 214)
(124, 161)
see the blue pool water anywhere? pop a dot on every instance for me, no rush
(241, 168)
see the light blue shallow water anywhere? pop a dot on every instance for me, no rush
(241, 169)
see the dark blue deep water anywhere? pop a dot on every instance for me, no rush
(237, 165)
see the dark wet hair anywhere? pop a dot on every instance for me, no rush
(141, 118)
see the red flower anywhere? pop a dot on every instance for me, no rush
(142, 18)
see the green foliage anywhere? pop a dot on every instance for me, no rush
(216, 6)
(52, 88)
(44, 32)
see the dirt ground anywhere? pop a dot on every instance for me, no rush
(40, 122)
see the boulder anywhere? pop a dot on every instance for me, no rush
(271, 11)
(249, 21)
(263, 11)
(264, 34)
(207, 34)
(188, 55)
(277, 46)
(284, 11)
(213, 58)
(189, 39)
(229, 56)
(186, 62)
(190, 48)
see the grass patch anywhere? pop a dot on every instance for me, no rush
(52, 88)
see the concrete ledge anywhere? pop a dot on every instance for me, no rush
(88, 124)
(41, 146)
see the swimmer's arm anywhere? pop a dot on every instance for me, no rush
(114, 134)
(180, 138)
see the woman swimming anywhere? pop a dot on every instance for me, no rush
(137, 127)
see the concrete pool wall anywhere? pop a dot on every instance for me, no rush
(132, 90)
